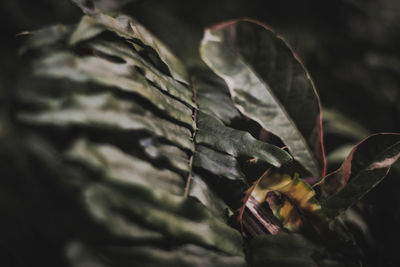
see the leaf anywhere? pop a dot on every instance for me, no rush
(200, 190)
(122, 76)
(45, 37)
(337, 123)
(213, 133)
(219, 164)
(290, 198)
(366, 166)
(128, 28)
(157, 150)
(339, 154)
(269, 85)
(180, 219)
(184, 255)
(123, 168)
(131, 192)
(124, 51)
(213, 96)
(290, 250)
(116, 212)
(108, 112)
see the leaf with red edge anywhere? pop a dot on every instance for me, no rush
(367, 164)
(269, 85)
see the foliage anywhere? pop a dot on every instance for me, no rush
(149, 162)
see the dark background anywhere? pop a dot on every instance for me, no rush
(350, 48)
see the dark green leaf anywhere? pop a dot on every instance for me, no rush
(126, 27)
(218, 163)
(283, 250)
(186, 255)
(89, 29)
(183, 220)
(107, 112)
(122, 168)
(213, 133)
(213, 96)
(367, 164)
(122, 76)
(269, 85)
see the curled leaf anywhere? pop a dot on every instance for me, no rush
(366, 165)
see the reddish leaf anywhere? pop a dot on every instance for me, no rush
(367, 164)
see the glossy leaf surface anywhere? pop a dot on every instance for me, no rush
(269, 85)
(367, 164)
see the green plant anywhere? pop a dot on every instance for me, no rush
(146, 163)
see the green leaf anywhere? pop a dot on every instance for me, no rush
(108, 112)
(337, 123)
(121, 76)
(283, 250)
(269, 85)
(146, 255)
(290, 250)
(146, 170)
(128, 28)
(213, 96)
(122, 168)
(218, 163)
(120, 207)
(183, 220)
(131, 191)
(200, 190)
(366, 165)
(213, 133)
(89, 28)
(160, 151)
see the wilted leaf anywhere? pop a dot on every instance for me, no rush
(367, 164)
(269, 85)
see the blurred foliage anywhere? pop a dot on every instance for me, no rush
(350, 48)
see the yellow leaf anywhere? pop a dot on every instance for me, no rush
(290, 198)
